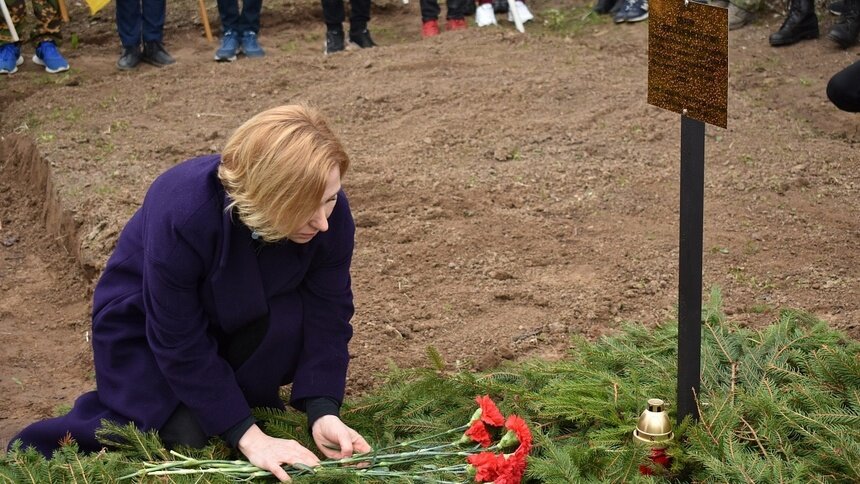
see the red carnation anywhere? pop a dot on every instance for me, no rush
(511, 472)
(490, 413)
(478, 432)
(523, 433)
(486, 466)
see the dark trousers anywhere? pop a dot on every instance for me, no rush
(140, 19)
(430, 9)
(844, 88)
(248, 19)
(334, 14)
(182, 428)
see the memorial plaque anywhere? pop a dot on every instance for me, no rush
(688, 59)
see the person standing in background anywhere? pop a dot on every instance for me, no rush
(141, 22)
(46, 34)
(485, 14)
(801, 23)
(240, 29)
(359, 15)
(455, 18)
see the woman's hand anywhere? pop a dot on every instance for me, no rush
(336, 440)
(271, 453)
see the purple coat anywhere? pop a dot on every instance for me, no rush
(184, 277)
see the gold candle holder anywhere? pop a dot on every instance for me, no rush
(654, 425)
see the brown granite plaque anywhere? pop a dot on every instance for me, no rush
(688, 59)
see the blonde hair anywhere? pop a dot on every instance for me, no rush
(275, 166)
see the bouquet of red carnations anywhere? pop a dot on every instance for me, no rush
(419, 460)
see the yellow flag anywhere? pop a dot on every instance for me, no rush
(96, 5)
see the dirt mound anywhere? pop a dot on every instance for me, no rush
(509, 190)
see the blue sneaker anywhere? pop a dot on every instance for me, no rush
(250, 46)
(637, 10)
(10, 58)
(229, 47)
(49, 56)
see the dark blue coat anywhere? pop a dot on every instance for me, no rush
(184, 277)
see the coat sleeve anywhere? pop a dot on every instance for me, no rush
(327, 305)
(176, 324)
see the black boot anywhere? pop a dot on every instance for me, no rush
(154, 53)
(361, 38)
(845, 30)
(801, 23)
(334, 40)
(129, 59)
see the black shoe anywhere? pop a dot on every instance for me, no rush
(129, 59)
(333, 41)
(604, 6)
(362, 39)
(846, 29)
(154, 53)
(801, 23)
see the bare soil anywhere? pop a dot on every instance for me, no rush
(509, 190)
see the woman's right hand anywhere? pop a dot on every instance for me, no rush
(271, 453)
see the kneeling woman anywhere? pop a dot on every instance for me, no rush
(231, 280)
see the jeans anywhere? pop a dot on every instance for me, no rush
(140, 19)
(246, 21)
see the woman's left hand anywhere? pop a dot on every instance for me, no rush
(336, 440)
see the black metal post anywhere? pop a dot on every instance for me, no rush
(690, 265)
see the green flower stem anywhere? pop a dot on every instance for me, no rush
(376, 459)
(408, 443)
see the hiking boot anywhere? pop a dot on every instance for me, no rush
(154, 54)
(250, 47)
(603, 7)
(845, 30)
(522, 11)
(738, 17)
(229, 47)
(361, 38)
(333, 41)
(456, 24)
(10, 58)
(484, 15)
(430, 28)
(49, 56)
(801, 23)
(129, 59)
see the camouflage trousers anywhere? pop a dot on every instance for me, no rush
(749, 5)
(47, 21)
